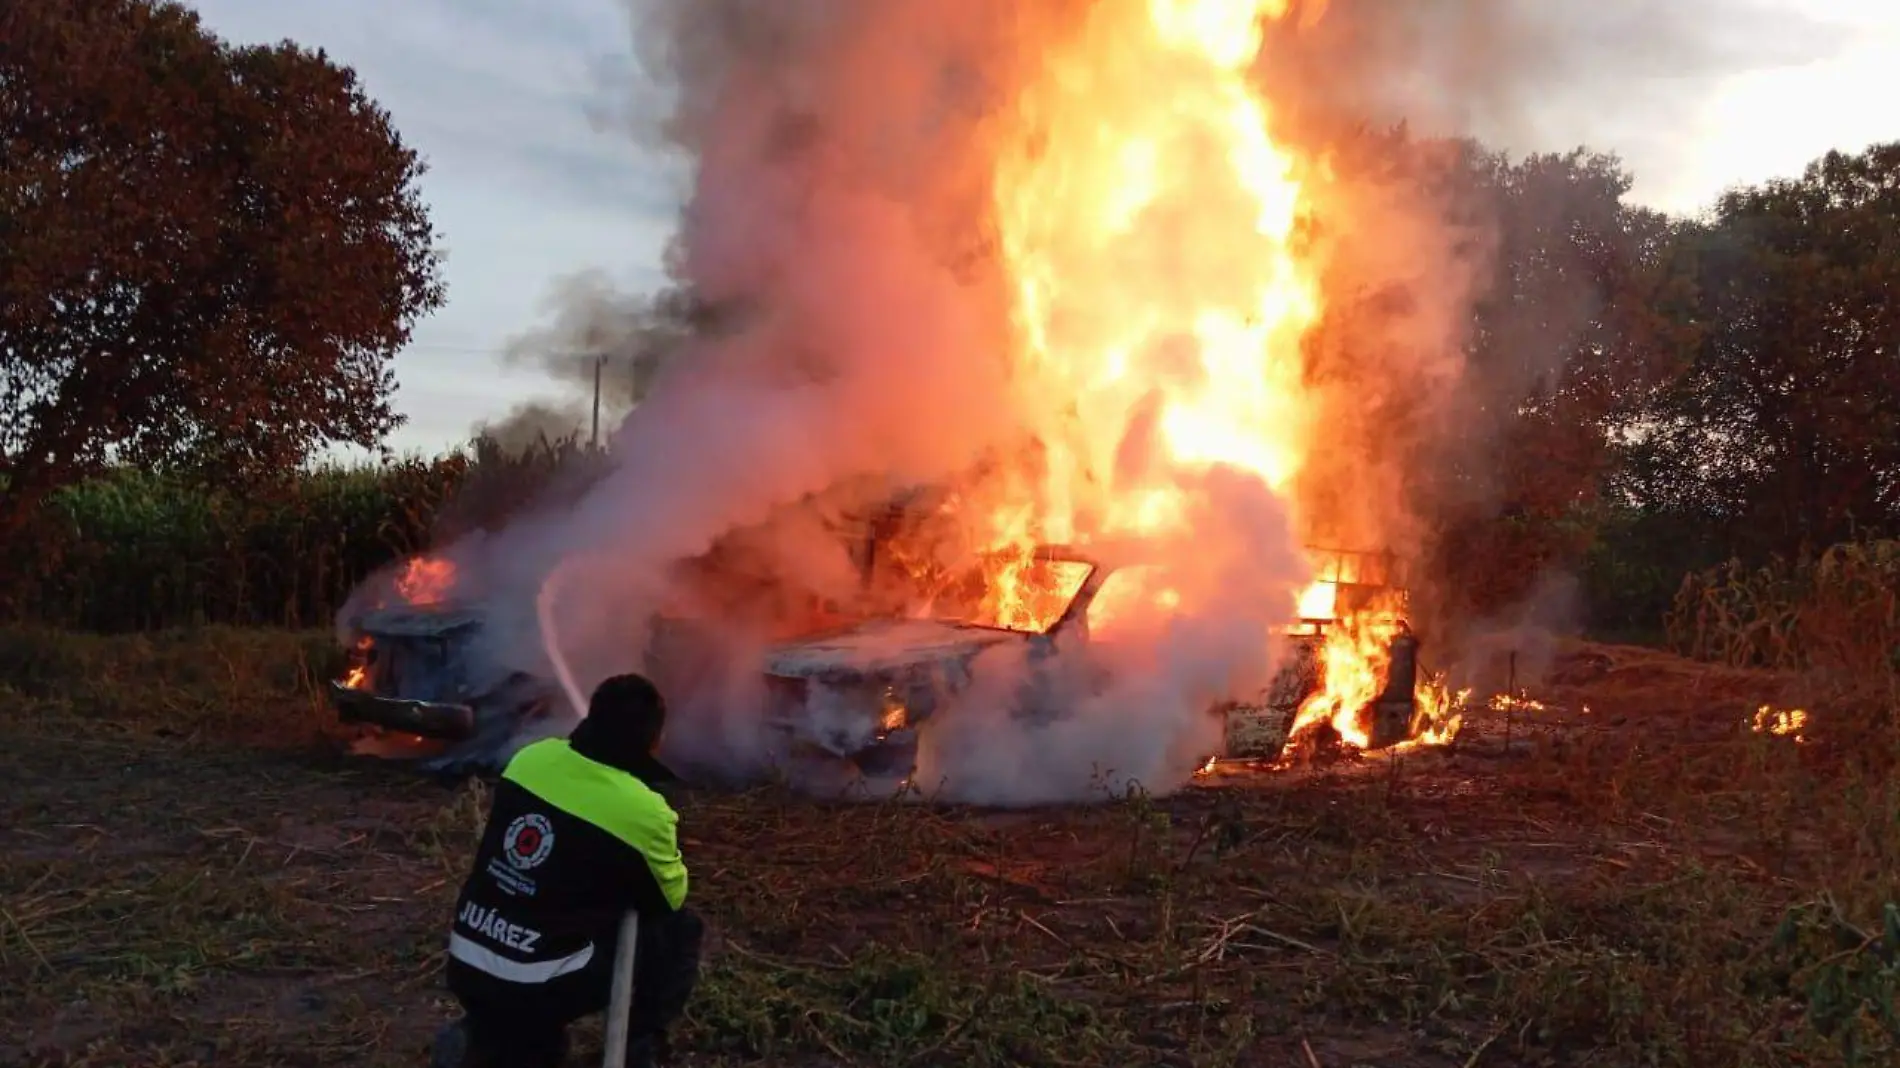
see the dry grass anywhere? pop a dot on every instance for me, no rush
(194, 875)
(1836, 614)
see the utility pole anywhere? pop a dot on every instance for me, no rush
(600, 360)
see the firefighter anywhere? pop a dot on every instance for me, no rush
(575, 838)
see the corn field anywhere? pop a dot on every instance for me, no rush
(1835, 613)
(135, 550)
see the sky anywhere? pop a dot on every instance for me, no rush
(527, 184)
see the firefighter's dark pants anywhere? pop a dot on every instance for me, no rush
(521, 1024)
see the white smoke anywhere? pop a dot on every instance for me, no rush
(1134, 709)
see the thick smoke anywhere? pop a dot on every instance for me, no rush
(842, 154)
(824, 223)
(595, 334)
(1149, 727)
(1416, 242)
(535, 423)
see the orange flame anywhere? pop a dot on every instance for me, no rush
(1109, 181)
(1150, 226)
(1353, 664)
(1781, 722)
(1440, 713)
(358, 671)
(425, 580)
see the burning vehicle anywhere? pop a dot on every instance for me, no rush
(865, 693)
(413, 679)
(416, 680)
(420, 683)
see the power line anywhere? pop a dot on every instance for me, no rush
(498, 353)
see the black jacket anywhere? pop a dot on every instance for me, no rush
(571, 844)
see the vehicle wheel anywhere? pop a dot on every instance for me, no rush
(888, 761)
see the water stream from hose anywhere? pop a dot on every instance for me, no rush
(550, 639)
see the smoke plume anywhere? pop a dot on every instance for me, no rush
(823, 220)
(842, 225)
(531, 424)
(1419, 241)
(1529, 75)
(594, 334)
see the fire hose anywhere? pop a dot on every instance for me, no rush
(620, 1002)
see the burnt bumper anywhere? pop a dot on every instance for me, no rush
(429, 719)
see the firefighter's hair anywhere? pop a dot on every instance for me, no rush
(624, 718)
(632, 696)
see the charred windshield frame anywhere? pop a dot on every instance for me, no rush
(980, 574)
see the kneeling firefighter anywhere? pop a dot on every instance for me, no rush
(576, 837)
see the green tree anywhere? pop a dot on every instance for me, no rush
(1784, 430)
(208, 255)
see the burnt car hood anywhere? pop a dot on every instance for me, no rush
(881, 647)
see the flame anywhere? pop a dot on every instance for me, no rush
(1440, 714)
(895, 714)
(1028, 594)
(1116, 179)
(358, 672)
(425, 580)
(1112, 178)
(1353, 673)
(1355, 661)
(1782, 722)
(1151, 231)
(1319, 601)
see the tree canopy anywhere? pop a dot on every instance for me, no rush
(1680, 390)
(1785, 424)
(209, 255)
(1639, 394)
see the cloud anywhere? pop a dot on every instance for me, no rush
(489, 90)
(1532, 74)
(526, 186)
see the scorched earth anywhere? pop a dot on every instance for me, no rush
(198, 874)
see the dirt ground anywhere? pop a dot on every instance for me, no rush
(1621, 872)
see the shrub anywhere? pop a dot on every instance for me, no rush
(138, 550)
